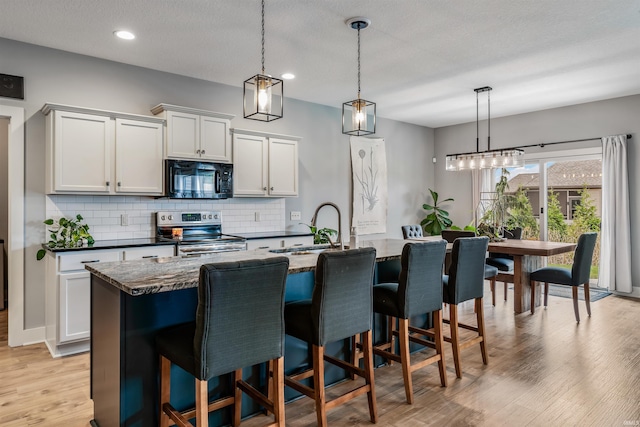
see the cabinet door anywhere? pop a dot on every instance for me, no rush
(215, 143)
(249, 165)
(74, 294)
(183, 135)
(82, 152)
(139, 157)
(283, 167)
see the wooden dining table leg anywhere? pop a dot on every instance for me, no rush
(523, 265)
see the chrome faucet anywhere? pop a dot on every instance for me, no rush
(315, 218)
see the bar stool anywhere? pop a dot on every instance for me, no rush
(419, 291)
(466, 282)
(239, 323)
(504, 263)
(340, 307)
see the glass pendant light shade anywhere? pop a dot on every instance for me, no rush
(262, 95)
(358, 117)
(263, 98)
(489, 159)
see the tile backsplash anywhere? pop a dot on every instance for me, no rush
(103, 214)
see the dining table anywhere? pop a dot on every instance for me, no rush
(528, 256)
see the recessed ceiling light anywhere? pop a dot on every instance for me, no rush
(288, 76)
(125, 35)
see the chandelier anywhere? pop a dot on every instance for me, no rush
(489, 159)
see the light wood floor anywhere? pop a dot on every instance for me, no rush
(544, 370)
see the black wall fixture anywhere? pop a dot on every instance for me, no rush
(11, 86)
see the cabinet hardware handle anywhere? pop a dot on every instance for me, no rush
(264, 188)
(119, 184)
(198, 151)
(90, 261)
(271, 188)
(297, 244)
(108, 183)
(150, 256)
(201, 151)
(263, 247)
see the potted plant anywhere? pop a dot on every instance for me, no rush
(321, 235)
(67, 233)
(437, 218)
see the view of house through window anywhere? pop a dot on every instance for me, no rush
(573, 203)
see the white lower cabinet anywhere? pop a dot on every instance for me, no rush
(68, 294)
(279, 242)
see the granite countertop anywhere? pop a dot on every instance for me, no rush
(268, 234)
(113, 244)
(139, 277)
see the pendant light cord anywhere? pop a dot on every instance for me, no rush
(477, 125)
(489, 120)
(359, 61)
(262, 36)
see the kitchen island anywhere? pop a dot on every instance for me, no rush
(132, 300)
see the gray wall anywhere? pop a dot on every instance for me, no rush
(595, 119)
(66, 78)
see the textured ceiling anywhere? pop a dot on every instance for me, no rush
(421, 59)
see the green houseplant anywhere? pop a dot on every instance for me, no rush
(66, 233)
(437, 218)
(321, 235)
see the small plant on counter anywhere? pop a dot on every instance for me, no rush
(66, 233)
(321, 235)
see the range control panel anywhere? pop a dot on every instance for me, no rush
(186, 218)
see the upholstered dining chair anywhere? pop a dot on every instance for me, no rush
(504, 263)
(411, 231)
(418, 291)
(577, 275)
(340, 307)
(239, 323)
(466, 282)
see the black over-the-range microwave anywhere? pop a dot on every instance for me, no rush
(186, 179)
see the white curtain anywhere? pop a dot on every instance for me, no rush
(615, 238)
(480, 183)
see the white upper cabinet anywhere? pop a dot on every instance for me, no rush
(139, 157)
(264, 165)
(196, 134)
(102, 152)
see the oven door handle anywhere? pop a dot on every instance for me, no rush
(217, 181)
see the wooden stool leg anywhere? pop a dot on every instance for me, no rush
(505, 291)
(533, 296)
(574, 291)
(278, 391)
(367, 345)
(405, 359)
(392, 337)
(480, 318)
(493, 291)
(587, 298)
(439, 341)
(202, 403)
(455, 342)
(237, 403)
(165, 389)
(318, 384)
(356, 353)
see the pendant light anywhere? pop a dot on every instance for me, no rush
(489, 159)
(359, 115)
(262, 94)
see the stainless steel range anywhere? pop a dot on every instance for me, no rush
(197, 233)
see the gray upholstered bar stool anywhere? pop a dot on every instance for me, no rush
(504, 263)
(340, 307)
(466, 282)
(239, 323)
(418, 291)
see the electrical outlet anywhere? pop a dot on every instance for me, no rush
(296, 216)
(124, 219)
(257, 216)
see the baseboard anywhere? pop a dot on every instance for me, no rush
(33, 335)
(68, 349)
